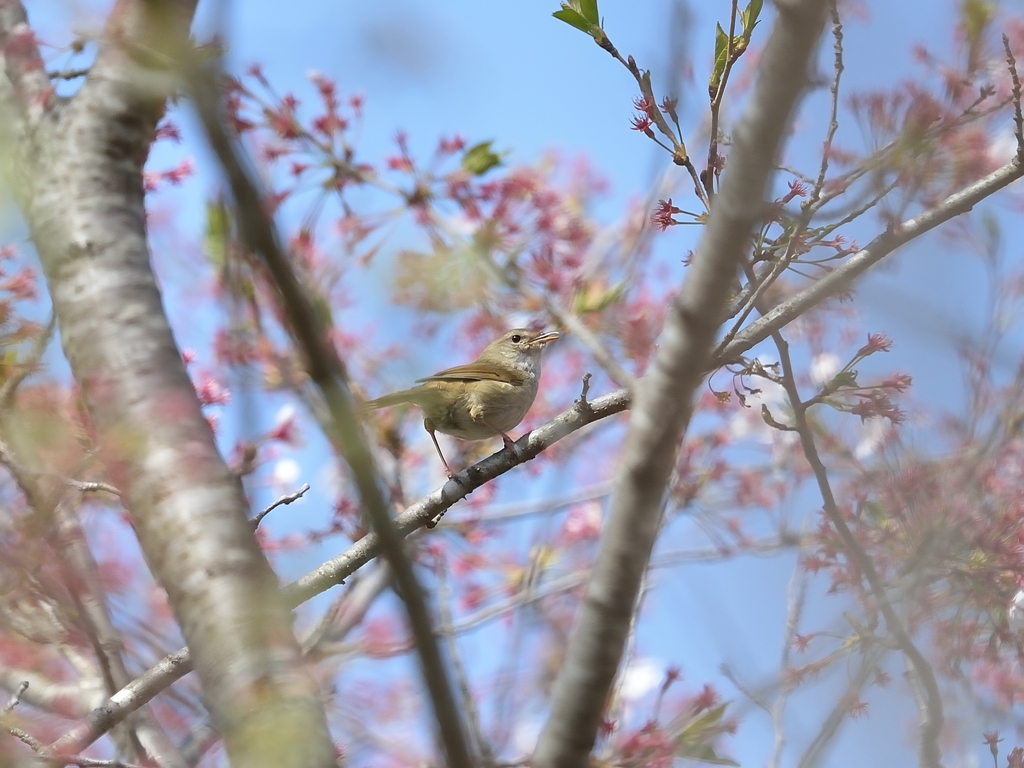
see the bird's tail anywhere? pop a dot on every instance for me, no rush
(396, 398)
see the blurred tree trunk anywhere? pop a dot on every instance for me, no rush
(77, 176)
(663, 403)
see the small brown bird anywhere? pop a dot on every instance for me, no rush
(486, 398)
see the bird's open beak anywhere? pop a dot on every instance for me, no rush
(544, 338)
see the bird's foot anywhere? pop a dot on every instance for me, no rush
(511, 445)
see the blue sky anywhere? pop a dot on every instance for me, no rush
(511, 73)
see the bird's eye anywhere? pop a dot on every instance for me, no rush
(516, 338)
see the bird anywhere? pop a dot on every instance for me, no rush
(483, 399)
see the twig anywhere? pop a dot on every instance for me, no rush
(328, 373)
(447, 631)
(288, 499)
(419, 515)
(931, 701)
(33, 743)
(93, 486)
(797, 600)
(1018, 118)
(68, 74)
(23, 61)
(884, 244)
(581, 402)
(833, 122)
(664, 404)
(347, 610)
(840, 711)
(576, 327)
(15, 698)
(501, 512)
(716, 104)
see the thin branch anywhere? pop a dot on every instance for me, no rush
(328, 373)
(68, 74)
(69, 700)
(840, 711)
(716, 104)
(833, 122)
(287, 499)
(94, 486)
(503, 512)
(883, 245)
(931, 701)
(15, 698)
(574, 580)
(347, 610)
(23, 62)
(447, 631)
(126, 701)
(664, 399)
(1018, 118)
(797, 600)
(420, 515)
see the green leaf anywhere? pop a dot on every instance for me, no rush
(592, 298)
(589, 10)
(748, 17)
(693, 741)
(702, 752)
(573, 18)
(645, 85)
(321, 308)
(976, 15)
(479, 159)
(218, 229)
(446, 279)
(704, 722)
(721, 49)
(877, 512)
(844, 379)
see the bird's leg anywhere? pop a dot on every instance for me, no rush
(508, 441)
(429, 426)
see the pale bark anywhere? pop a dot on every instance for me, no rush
(78, 180)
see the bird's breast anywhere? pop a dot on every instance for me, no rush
(485, 407)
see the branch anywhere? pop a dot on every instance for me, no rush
(15, 699)
(664, 404)
(69, 700)
(85, 208)
(447, 631)
(123, 703)
(23, 62)
(930, 700)
(840, 711)
(1018, 118)
(420, 515)
(884, 244)
(347, 611)
(288, 499)
(143, 737)
(328, 373)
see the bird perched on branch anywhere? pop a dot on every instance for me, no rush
(482, 399)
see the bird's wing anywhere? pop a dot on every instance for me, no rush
(474, 372)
